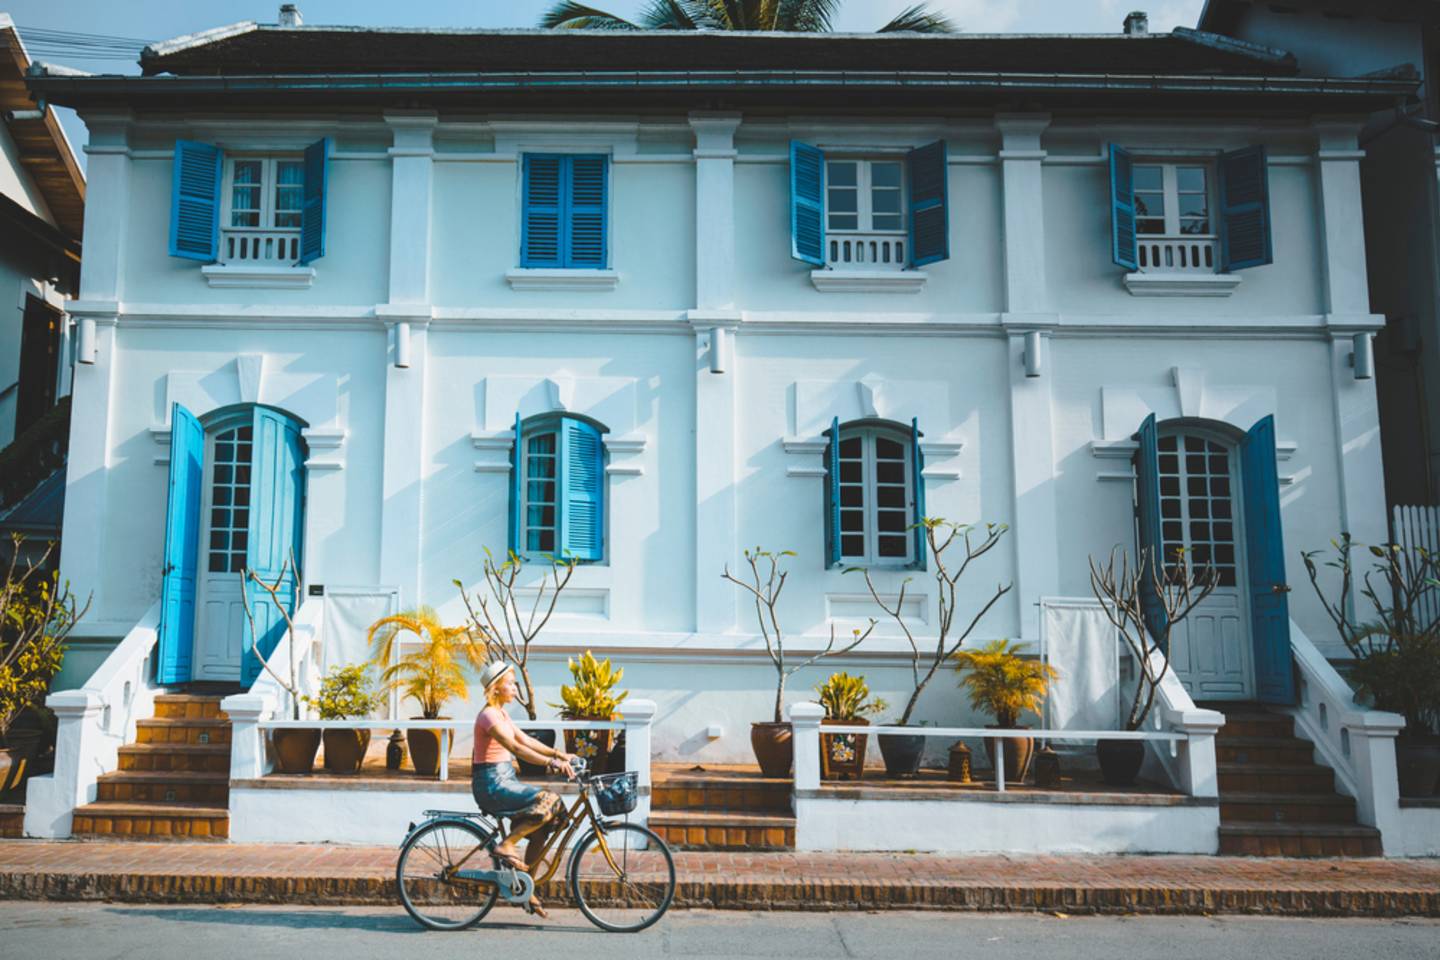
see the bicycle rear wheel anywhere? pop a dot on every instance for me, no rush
(423, 875)
(623, 879)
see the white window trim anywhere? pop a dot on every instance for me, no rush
(522, 532)
(255, 274)
(842, 278)
(1160, 283)
(870, 488)
(864, 198)
(268, 182)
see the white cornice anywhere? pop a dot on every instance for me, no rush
(1181, 284)
(585, 281)
(869, 281)
(235, 275)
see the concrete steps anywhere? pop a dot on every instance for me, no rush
(721, 808)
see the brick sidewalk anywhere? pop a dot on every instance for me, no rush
(327, 874)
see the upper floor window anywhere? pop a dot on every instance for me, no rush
(565, 201)
(557, 495)
(1190, 216)
(869, 213)
(874, 495)
(264, 202)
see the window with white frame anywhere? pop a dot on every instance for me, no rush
(264, 199)
(877, 496)
(558, 489)
(865, 212)
(1174, 225)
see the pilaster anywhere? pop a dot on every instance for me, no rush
(1024, 210)
(85, 528)
(1037, 569)
(716, 543)
(714, 209)
(1338, 156)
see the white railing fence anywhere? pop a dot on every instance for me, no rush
(865, 251)
(1419, 527)
(1175, 254)
(267, 247)
(94, 723)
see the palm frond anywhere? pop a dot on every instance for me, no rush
(919, 19)
(804, 16)
(673, 15)
(569, 15)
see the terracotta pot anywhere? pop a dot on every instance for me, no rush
(345, 750)
(25, 745)
(842, 755)
(295, 749)
(774, 748)
(1120, 760)
(425, 748)
(1418, 767)
(902, 753)
(528, 769)
(12, 768)
(1017, 753)
(593, 746)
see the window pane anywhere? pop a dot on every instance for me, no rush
(242, 497)
(891, 521)
(887, 449)
(890, 471)
(1167, 443)
(885, 173)
(893, 497)
(222, 496)
(852, 521)
(849, 471)
(851, 496)
(841, 173)
(888, 221)
(852, 546)
(885, 201)
(1148, 177)
(1193, 205)
(217, 563)
(239, 540)
(1150, 226)
(1149, 204)
(1190, 179)
(843, 201)
(1194, 227)
(844, 221)
(893, 546)
(850, 448)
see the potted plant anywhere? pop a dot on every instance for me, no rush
(1397, 653)
(346, 692)
(847, 702)
(591, 697)
(771, 739)
(1005, 684)
(295, 747)
(902, 752)
(1144, 602)
(431, 675)
(37, 613)
(505, 620)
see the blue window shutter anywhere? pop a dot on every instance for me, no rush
(541, 220)
(312, 211)
(928, 176)
(195, 201)
(1148, 545)
(517, 488)
(1122, 209)
(832, 496)
(1265, 551)
(807, 203)
(1245, 210)
(587, 186)
(582, 491)
(182, 547)
(275, 530)
(917, 468)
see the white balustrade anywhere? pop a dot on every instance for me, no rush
(865, 251)
(259, 247)
(1176, 254)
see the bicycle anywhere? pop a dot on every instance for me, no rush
(621, 875)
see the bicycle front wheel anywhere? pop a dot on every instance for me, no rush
(424, 875)
(622, 877)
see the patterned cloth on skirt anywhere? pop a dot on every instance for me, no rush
(499, 792)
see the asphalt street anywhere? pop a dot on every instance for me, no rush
(59, 931)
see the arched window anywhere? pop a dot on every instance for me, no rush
(874, 495)
(557, 494)
(1198, 493)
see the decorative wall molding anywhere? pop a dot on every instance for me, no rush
(327, 447)
(624, 451)
(586, 281)
(869, 281)
(939, 455)
(1118, 452)
(250, 370)
(1181, 284)
(232, 275)
(608, 400)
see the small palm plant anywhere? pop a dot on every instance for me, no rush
(591, 697)
(1002, 682)
(848, 698)
(434, 673)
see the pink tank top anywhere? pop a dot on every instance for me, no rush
(487, 748)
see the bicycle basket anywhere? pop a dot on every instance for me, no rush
(617, 793)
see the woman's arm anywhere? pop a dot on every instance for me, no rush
(544, 748)
(528, 748)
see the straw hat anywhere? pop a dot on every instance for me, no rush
(493, 671)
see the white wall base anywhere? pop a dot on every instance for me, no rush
(974, 825)
(1415, 832)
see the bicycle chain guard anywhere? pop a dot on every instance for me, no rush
(516, 886)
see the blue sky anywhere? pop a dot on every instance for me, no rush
(161, 19)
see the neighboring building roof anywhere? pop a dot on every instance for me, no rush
(44, 150)
(40, 511)
(1223, 16)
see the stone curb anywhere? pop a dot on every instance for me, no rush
(816, 895)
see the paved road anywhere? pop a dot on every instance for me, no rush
(105, 931)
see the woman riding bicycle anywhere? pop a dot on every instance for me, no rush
(497, 789)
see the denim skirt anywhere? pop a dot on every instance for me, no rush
(499, 792)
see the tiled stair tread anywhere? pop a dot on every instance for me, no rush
(187, 698)
(183, 722)
(192, 748)
(729, 818)
(1284, 743)
(1314, 799)
(739, 779)
(167, 776)
(1273, 769)
(117, 808)
(1297, 829)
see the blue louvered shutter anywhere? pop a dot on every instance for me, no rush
(1265, 551)
(274, 531)
(807, 203)
(312, 211)
(582, 491)
(1122, 209)
(925, 168)
(195, 201)
(517, 488)
(1149, 547)
(832, 496)
(917, 469)
(1245, 210)
(182, 546)
(585, 212)
(540, 221)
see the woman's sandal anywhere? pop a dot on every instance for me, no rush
(509, 859)
(536, 909)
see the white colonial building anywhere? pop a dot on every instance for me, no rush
(389, 298)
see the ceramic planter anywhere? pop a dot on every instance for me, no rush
(592, 746)
(12, 768)
(1120, 760)
(528, 769)
(295, 749)
(345, 750)
(901, 753)
(1418, 767)
(1016, 750)
(842, 755)
(425, 749)
(774, 748)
